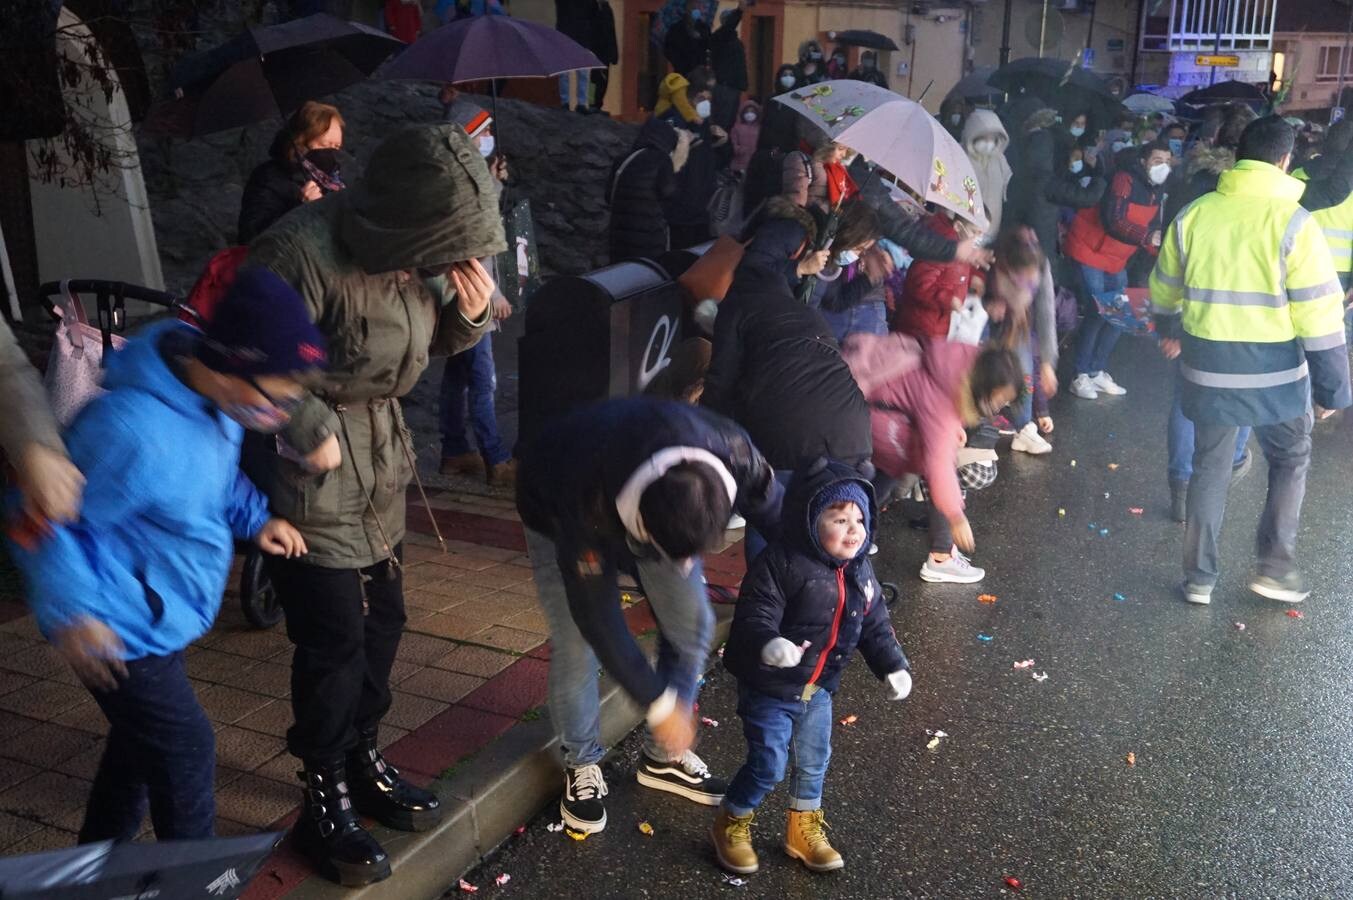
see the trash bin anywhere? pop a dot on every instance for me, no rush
(589, 337)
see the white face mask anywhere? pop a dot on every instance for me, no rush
(1085, 182)
(787, 81)
(486, 145)
(955, 118)
(702, 109)
(1077, 130)
(1158, 173)
(749, 117)
(1076, 166)
(846, 257)
(984, 146)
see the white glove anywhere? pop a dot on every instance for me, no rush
(899, 685)
(781, 654)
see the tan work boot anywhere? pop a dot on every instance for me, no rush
(732, 836)
(465, 464)
(806, 841)
(503, 474)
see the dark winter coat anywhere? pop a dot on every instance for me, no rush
(1331, 179)
(568, 483)
(603, 42)
(684, 50)
(776, 369)
(639, 185)
(903, 229)
(796, 591)
(729, 55)
(688, 206)
(1041, 186)
(273, 190)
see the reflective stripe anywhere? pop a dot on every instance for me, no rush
(1241, 380)
(1324, 342)
(1315, 292)
(1338, 234)
(1299, 218)
(1174, 281)
(1235, 298)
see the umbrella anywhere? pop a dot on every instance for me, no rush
(973, 86)
(217, 867)
(486, 48)
(861, 38)
(268, 72)
(898, 135)
(1068, 86)
(1145, 104)
(1224, 92)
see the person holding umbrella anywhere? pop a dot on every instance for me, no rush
(303, 165)
(391, 271)
(869, 71)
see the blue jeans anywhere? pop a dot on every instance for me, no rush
(161, 750)
(471, 374)
(773, 728)
(680, 604)
(580, 91)
(1098, 338)
(1023, 408)
(1179, 439)
(753, 541)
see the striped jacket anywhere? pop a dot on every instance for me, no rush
(1337, 224)
(1245, 280)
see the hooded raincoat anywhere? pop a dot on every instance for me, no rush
(992, 170)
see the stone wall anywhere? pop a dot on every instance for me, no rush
(559, 160)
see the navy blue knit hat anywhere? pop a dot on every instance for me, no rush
(261, 327)
(847, 490)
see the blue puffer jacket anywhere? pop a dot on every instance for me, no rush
(796, 591)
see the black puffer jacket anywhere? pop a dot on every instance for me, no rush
(905, 230)
(639, 186)
(776, 369)
(273, 190)
(1041, 185)
(730, 57)
(568, 484)
(796, 591)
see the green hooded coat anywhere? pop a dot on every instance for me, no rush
(426, 200)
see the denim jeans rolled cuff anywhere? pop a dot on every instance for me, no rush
(778, 732)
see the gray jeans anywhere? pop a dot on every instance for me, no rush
(1287, 448)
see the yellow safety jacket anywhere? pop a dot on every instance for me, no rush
(1244, 279)
(1337, 224)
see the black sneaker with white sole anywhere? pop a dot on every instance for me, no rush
(1291, 588)
(687, 777)
(581, 806)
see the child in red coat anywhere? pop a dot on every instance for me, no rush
(932, 290)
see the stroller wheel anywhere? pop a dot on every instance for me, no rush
(889, 593)
(258, 598)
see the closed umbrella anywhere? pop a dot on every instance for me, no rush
(268, 72)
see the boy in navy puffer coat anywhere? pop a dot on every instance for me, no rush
(808, 601)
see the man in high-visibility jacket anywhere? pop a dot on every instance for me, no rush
(1335, 221)
(1245, 289)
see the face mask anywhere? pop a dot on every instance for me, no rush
(984, 146)
(955, 118)
(702, 109)
(262, 419)
(697, 16)
(1158, 173)
(1077, 130)
(486, 145)
(1176, 146)
(1076, 166)
(787, 81)
(846, 257)
(815, 55)
(839, 60)
(323, 158)
(866, 64)
(749, 117)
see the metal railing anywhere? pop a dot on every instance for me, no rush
(1209, 25)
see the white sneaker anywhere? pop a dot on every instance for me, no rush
(1104, 382)
(1028, 440)
(954, 570)
(1084, 387)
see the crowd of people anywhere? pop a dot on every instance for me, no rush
(863, 352)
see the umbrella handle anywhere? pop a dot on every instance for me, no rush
(823, 242)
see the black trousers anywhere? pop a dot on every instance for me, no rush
(346, 625)
(600, 79)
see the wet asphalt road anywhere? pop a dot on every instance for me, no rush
(1243, 739)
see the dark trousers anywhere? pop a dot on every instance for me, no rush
(346, 625)
(469, 383)
(1287, 448)
(600, 79)
(160, 749)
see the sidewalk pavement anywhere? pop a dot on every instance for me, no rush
(469, 682)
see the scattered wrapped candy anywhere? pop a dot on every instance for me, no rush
(521, 829)
(1113, 467)
(645, 829)
(1119, 597)
(986, 598)
(1240, 626)
(706, 720)
(935, 737)
(1136, 510)
(985, 638)
(1295, 614)
(502, 879)
(1073, 464)
(1013, 883)
(1040, 677)
(467, 888)
(1061, 512)
(735, 882)
(1131, 758)
(576, 835)
(1024, 664)
(554, 827)
(1106, 495)
(850, 719)
(1103, 532)
(1092, 526)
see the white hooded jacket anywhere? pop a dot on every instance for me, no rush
(993, 172)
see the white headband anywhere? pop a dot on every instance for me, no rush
(653, 468)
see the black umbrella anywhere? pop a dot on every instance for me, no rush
(1223, 92)
(974, 86)
(861, 38)
(218, 868)
(1066, 85)
(268, 72)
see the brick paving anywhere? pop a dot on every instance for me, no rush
(472, 663)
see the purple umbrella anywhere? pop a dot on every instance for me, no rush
(484, 48)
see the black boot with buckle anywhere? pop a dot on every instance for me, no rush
(329, 835)
(379, 792)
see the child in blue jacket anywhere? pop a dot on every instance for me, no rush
(809, 600)
(125, 588)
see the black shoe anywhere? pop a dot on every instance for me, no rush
(1179, 500)
(329, 835)
(379, 792)
(581, 807)
(687, 777)
(1242, 468)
